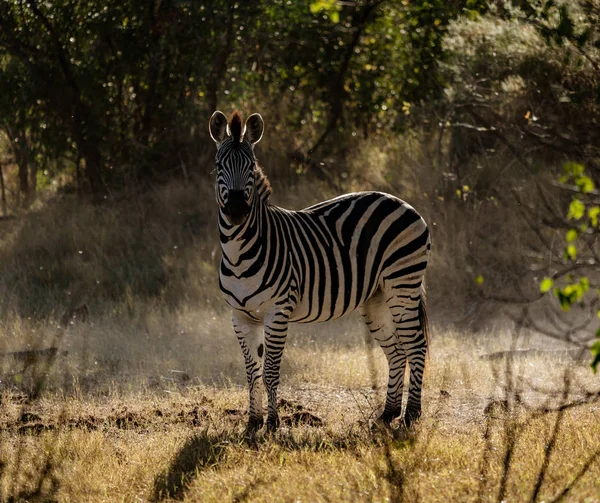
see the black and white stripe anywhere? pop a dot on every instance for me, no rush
(365, 251)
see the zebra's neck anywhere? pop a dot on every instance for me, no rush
(263, 187)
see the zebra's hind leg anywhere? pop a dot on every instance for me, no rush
(250, 338)
(408, 313)
(377, 317)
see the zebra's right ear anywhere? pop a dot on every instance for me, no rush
(218, 127)
(254, 129)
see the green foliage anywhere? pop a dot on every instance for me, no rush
(575, 172)
(546, 285)
(581, 206)
(331, 7)
(124, 85)
(571, 293)
(595, 349)
(593, 213)
(571, 235)
(576, 210)
(570, 252)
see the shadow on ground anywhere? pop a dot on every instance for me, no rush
(199, 452)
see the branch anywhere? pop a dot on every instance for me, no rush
(586, 466)
(64, 64)
(337, 87)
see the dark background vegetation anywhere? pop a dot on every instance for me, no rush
(467, 109)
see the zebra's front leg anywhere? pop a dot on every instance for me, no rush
(276, 327)
(250, 338)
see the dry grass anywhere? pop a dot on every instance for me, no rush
(144, 400)
(179, 436)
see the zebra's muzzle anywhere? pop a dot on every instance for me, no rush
(236, 209)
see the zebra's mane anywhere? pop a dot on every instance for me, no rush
(235, 126)
(262, 183)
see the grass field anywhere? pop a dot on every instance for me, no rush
(144, 396)
(134, 417)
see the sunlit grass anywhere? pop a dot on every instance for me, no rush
(145, 399)
(145, 433)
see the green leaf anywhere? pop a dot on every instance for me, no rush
(479, 280)
(315, 7)
(585, 184)
(569, 295)
(576, 210)
(593, 214)
(571, 235)
(571, 252)
(329, 6)
(573, 168)
(564, 300)
(546, 284)
(595, 350)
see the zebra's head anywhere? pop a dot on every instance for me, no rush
(236, 164)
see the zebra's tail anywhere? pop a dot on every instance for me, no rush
(425, 323)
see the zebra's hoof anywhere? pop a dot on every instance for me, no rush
(379, 426)
(254, 424)
(411, 416)
(272, 424)
(384, 422)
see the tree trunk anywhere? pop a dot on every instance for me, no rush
(337, 93)
(220, 66)
(19, 150)
(23, 181)
(93, 167)
(33, 169)
(82, 117)
(4, 209)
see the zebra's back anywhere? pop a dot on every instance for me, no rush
(349, 247)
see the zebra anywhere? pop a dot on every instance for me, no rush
(363, 250)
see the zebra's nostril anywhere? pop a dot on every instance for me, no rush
(236, 199)
(236, 207)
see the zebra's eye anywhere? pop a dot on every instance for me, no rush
(247, 193)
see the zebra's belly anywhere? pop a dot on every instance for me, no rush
(305, 314)
(324, 303)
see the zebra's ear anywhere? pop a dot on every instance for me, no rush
(218, 127)
(254, 129)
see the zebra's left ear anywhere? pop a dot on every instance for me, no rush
(254, 129)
